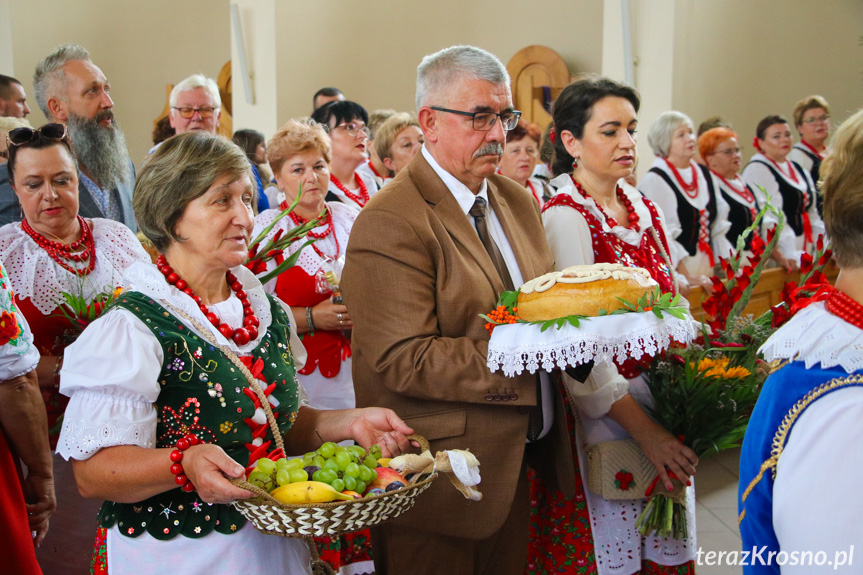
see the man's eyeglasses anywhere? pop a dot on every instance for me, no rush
(819, 119)
(186, 113)
(21, 136)
(484, 121)
(353, 129)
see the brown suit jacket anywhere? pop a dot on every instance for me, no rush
(415, 280)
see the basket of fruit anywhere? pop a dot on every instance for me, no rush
(336, 489)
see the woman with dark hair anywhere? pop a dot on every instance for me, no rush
(596, 217)
(520, 157)
(787, 186)
(797, 464)
(253, 145)
(696, 216)
(346, 124)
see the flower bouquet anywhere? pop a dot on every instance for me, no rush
(274, 248)
(705, 393)
(81, 311)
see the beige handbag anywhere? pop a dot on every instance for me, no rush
(619, 470)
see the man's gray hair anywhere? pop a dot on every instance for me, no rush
(661, 131)
(437, 71)
(193, 82)
(49, 80)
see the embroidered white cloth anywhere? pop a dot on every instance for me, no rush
(816, 336)
(516, 347)
(37, 277)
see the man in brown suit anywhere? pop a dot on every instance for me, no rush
(419, 269)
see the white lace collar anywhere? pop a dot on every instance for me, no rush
(564, 185)
(148, 280)
(816, 336)
(37, 277)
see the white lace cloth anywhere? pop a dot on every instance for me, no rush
(816, 336)
(516, 347)
(37, 277)
(310, 261)
(111, 371)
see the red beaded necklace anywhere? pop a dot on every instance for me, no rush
(743, 192)
(331, 229)
(691, 190)
(364, 191)
(844, 307)
(811, 147)
(533, 191)
(60, 251)
(621, 196)
(241, 335)
(792, 176)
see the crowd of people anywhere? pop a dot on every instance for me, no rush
(424, 219)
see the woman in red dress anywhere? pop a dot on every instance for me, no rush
(53, 251)
(596, 217)
(299, 155)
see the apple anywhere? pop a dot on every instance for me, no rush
(387, 480)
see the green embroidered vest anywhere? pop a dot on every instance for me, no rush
(203, 393)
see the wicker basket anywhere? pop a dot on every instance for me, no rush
(333, 518)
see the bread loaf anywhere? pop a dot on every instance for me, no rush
(582, 290)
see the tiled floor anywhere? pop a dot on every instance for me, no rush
(716, 509)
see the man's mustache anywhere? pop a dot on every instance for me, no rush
(104, 115)
(490, 149)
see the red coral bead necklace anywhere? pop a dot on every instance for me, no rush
(330, 229)
(60, 251)
(632, 217)
(241, 335)
(844, 307)
(361, 199)
(691, 189)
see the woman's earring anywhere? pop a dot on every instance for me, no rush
(574, 163)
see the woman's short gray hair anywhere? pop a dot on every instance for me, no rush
(182, 169)
(438, 71)
(661, 131)
(196, 81)
(49, 80)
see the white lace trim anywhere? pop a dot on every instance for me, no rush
(147, 279)
(35, 276)
(816, 336)
(309, 260)
(563, 185)
(514, 348)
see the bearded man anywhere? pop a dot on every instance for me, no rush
(71, 90)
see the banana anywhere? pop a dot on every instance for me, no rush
(303, 492)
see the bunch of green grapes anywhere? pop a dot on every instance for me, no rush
(345, 468)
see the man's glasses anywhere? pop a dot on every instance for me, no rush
(186, 112)
(353, 129)
(484, 121)
(21, 136)
(819, 119)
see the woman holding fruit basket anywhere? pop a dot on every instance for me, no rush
(299, 155)
(596, 217)
(178, 388)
